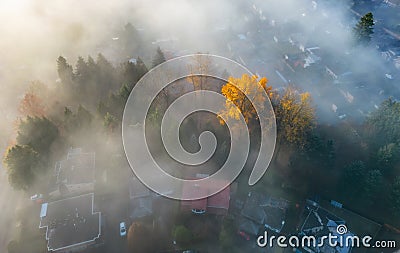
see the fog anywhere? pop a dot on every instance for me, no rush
(35, 32)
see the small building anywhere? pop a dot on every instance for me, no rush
(393, 3)
(265, 211)
(319, 222)
(76, 174)
(295, 60)
(71, 224)
(217, 204)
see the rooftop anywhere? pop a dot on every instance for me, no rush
(265, 210)
(320, 222)
(220, 200)
(217, 203)
(78, 168)
(70, 222)
(318, 217)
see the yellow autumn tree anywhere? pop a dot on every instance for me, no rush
(295, 116)
(239, 102)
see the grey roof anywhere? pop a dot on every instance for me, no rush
(71, 222)
(274, 217)
(318, 216)
(265, 210)
(254, 213)
(78, 168)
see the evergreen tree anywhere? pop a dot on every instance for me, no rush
(22, 164)
(387, 156)
(373, 183)
(92, 66)
(39, 133)
(353, 177)
(130, 40)
(129, 74)
(158, 58)
(105, 76)
(395, 196)
(79, 121)
(383, 125)
(364, 28)
(82, 73)
(141, 68)
(110, 122)
(65, 72)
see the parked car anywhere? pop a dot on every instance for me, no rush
(122, 229)
(38, 198)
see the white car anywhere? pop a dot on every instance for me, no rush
(36, 197)
(122, 229)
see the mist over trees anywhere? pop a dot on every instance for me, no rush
(90, 97)
(85, 107)
(327, 68)
(88, 100)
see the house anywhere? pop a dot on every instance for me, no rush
(295, 60)
(71, 224)
(141, 200)
(217, 204)
(319, 222)
(265, 211)
(393, 3)
(75, 174)
(313, 55)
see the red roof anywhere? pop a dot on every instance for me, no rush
(220, 200)
(211, 204)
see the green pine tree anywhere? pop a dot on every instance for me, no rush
(158, 58)
(364, 28)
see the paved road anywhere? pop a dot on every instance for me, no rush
(10, 201)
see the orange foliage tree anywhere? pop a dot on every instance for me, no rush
(239, 102)
(31, 105)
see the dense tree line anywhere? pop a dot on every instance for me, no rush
(88, 99)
